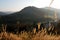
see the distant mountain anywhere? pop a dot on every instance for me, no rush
(31, 14)
(5, 13)
(2, 13)
(8, 12)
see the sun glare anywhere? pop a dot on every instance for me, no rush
(56, 4)
(20, 4)
(45, 3)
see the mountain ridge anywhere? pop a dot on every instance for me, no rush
(30, 14)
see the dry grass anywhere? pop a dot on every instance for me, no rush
(41, 35)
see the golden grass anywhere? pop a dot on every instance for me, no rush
(41, 35)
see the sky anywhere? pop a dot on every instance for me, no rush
(17, 5)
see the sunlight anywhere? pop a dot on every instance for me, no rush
(40, 3)
(20, 4)
(45, 3)
(56, 4)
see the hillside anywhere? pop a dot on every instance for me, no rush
(2, 13)
(30, 15)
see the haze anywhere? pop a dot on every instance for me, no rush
(17, 5)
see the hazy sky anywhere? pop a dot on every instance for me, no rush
(16, 5)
